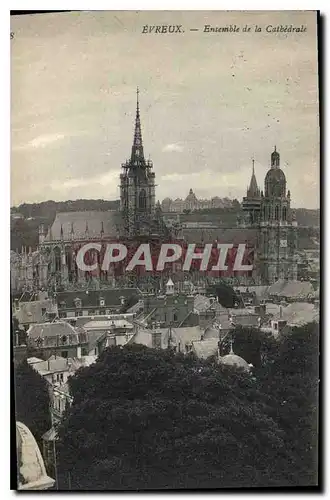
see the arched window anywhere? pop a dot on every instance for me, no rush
(284, 213)
(142, 199)
(57, 255)
(277, 212)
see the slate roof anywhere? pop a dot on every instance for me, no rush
(143, 337)
(205, 348)
(111, 297)
(299, 313)
(184, 335)
(291, 289)
(79, 221)
(223, 235)
(136, 307)
(259, 290)
(54, 329)
(52, 365)
(33, 360)
(76, 363)
(201, 303)
(108, 324)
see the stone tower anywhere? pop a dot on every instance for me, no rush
(278, 228)
(251, 202)
(137, 188)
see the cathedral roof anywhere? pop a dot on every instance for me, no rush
(223, 235)
(84, 225)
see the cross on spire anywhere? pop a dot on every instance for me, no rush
(231, 345)
(137, 148)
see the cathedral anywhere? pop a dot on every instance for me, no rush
(267, 224)
(270, 213)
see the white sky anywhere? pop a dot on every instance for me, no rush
(209, 102)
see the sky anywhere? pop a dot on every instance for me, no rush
(209, 103)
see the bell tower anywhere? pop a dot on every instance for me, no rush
(278, 227)
(137, 187)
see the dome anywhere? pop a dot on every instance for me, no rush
(236, 361)
(191, 196)
(275, 182)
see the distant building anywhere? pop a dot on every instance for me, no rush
(78, 303)
(35, 311)
(58, 338)
(192, 203)
(169, 308)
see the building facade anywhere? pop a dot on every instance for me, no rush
(270, 212)
(270, 232)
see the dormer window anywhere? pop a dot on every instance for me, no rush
(77, 302)
(102, 302)
(62, 304)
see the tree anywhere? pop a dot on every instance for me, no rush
(253, 345)
(292, 379)
(32, 400)
(143, 418)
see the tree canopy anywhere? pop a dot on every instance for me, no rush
(32, 400)
(148, 419)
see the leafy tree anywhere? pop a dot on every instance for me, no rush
(253, 345)
(32, 400)
(292, 379)
(143, 418)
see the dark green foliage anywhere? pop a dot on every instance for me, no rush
(31, 400)
(255, 346)
(145, 419)
(292, 380)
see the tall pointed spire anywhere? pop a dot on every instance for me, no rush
(137, 156)
(253, 190)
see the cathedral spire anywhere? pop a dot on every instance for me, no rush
(137, 156)
(253, 190)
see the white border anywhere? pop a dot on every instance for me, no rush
(4, 151)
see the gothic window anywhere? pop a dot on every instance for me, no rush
(57, 255)
(284, 213)
(277, 213)
(142, 200)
